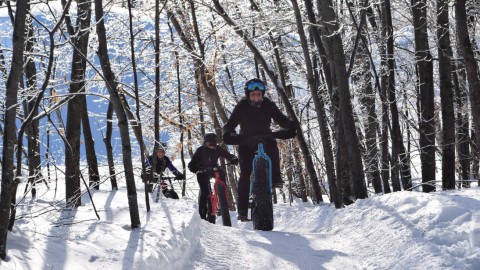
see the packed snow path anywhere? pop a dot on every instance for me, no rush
(403, 230)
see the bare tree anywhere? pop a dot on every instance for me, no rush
(108, 145)
(446, 94)
(334, 47)
(32, 130)
(120, 113)
(14, 77)
(75, 104)
(470, 63)
(425, 85)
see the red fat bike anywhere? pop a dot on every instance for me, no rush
(218, 203)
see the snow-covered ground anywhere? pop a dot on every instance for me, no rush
(404, 230)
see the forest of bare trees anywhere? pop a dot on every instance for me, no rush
(385, 94)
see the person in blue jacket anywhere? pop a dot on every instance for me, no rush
(163, 162)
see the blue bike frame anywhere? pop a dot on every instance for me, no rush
(261, 154)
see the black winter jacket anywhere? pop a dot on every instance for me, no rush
(206, 158)
(256, 121)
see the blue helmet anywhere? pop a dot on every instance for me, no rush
(254, 84)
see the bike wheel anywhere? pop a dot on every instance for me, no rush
(211, 218)
(222, 200)
(262, 208)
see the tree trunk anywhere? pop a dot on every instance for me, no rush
(319, 107)
(367, 100)
(11, 97)
(108, 145)
(462, 122)
(334, 47)
(93, 174)
(76, 106)
(425, 85)
(325, 135)
(471, 65)
(120, 112)
(446, 94)
(399, 155)
(32, 130)
(138, 124)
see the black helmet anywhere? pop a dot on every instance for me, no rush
(210, 137)
(254, 84)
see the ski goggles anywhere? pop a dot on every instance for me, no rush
(256, 85)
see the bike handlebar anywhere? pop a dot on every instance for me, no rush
(214, 168)
(156, 175)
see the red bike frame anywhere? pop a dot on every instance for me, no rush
(213, 196)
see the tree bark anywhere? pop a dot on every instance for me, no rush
(334, 46)
(76, 106)
(399, 155)
(108, 145)
(138, 125)
(446, 95)
(364, 81)
(32, 130)
(11, 97)
(93, 174)
(425, 85)
(318, 103)
(471, 65)
(120, 113)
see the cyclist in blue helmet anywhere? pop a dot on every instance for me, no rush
(254, 114)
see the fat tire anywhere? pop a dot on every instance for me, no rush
(262, 208)
(222, 200)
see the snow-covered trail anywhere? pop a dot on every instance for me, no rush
(244, 248)
(406, 230)
(403, 230)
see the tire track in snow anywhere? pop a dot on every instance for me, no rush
(241, 247)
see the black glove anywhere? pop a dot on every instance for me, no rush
(207, 171)
(234, 161)
(232, 138)
(180, 176)
(145, 176)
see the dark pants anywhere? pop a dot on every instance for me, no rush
(246, 154)
(203, 180)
